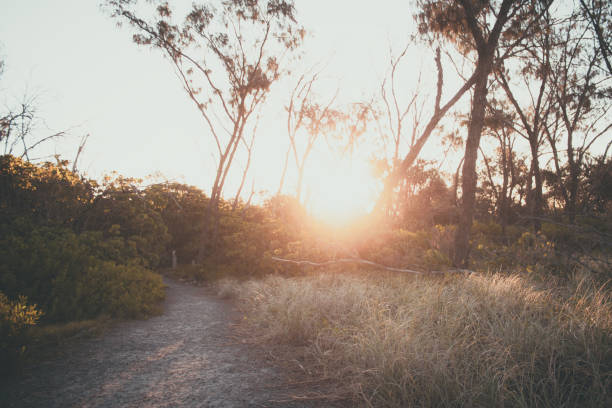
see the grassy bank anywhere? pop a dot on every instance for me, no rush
(494, 340)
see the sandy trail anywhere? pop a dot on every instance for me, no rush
(187, 357)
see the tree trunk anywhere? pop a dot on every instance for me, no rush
(572, 191)
(572, 183)
(536, 195)
(208, 237)
(456, 184)
(298, 195)
(284, 173)
(468, 184)
(503, 194)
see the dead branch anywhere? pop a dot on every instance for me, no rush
(365, 262)
(79, 151)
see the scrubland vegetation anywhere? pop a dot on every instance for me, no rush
(71, 250)
(518, 312)
(496, 339)
(74, 250)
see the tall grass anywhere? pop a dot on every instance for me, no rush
(462, 341)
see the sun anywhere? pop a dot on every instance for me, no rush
(340, 189)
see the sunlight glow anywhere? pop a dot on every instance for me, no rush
(340, 190)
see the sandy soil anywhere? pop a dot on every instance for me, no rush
(187, 357)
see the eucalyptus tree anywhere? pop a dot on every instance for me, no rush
(526, 86)
(558, 83)
(226, 55)
(479, 28)
(582, 89)
(505, 163)
(398, 116)
(421, 130)
(307, 120)
(598, 13)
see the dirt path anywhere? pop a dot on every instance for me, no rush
(186, 357)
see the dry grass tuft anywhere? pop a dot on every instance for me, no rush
(495, 340)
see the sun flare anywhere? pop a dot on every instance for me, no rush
(340, 190)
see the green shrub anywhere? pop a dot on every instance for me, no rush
(65, 274)
(435, 259)
(15, 317)
(126, 291)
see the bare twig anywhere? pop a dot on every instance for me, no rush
(79, 151)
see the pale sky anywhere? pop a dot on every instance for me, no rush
(90, 78)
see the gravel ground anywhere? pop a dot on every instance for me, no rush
(187, 357)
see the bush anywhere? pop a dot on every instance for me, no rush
(15, 318)
(126, 291)
(64, 274)
(424, 249)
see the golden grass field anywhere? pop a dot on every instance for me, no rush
(480, 340)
